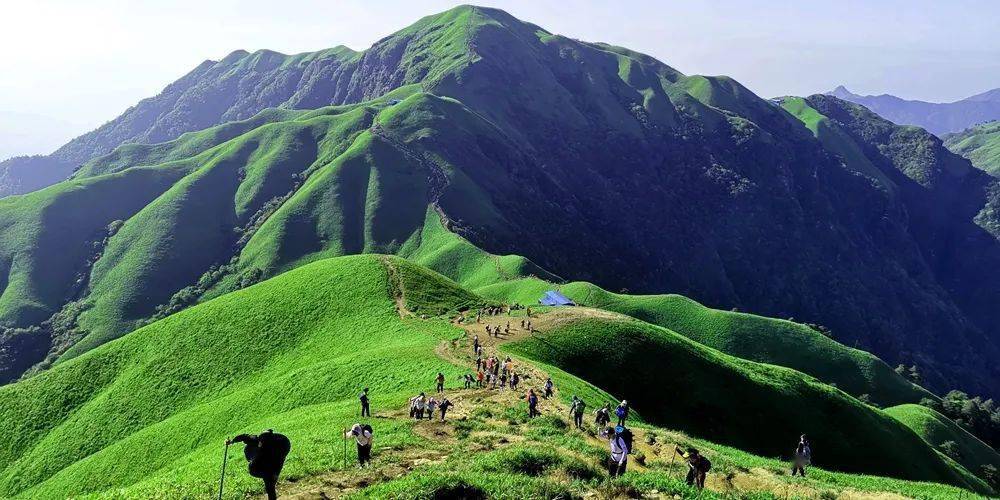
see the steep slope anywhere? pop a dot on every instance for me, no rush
(746, 336)
(937, 118)
(937, 429)
(980, 144)
(285, 354)
(590, 161)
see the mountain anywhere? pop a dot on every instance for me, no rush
(285, 354)
(937, 118)
(980, 144)
(592, 162)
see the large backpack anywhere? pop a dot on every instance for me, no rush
(620, 411)
(368, 428)
(269, 456)
(628, 438)
(704, 465)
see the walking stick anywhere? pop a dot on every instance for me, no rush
(222, 477)
(345, 448)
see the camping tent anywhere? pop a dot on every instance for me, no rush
(554, 298)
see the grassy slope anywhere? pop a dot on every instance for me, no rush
(680, 384)
(746, 336)
(980, 144)
(282, 354)
(935, 428)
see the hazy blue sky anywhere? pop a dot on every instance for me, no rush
(70, 65)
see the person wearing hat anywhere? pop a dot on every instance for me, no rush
(362, 435)
(698, 466)
(619, 451)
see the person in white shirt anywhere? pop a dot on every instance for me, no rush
(619, 452)
(362, 435)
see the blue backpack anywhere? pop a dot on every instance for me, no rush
(620, 411)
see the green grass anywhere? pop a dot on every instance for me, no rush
(980, 144)
(679, 384)
(936, 429)
(746, 336)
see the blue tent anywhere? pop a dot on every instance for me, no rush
(554, 298)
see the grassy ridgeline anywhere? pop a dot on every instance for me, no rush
(679, 384)
(936, 429)
(152, 409)
(746, 336)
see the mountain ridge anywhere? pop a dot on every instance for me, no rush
(937, 118)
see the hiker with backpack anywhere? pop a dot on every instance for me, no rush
(365, 408)
(803, 456)
(548, 388)
(602, 416)
(532, 404)
(514, 380)
(444, 406)
(362, 434)
(468, 381)
(620, 442)
(440, 382)
(265, 454)
(576, 409)
(479, 379)
(622, 412)
(698, 466)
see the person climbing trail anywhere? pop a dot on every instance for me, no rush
(576, 410)
(365, 403)
(362, 435)
(440, 382)
(265, 454)
(431, 406)
(514, 380)
(479, 362)
(444, 406)
(803, 456)
(698, 466)
(479, 379)
(417, 405)
(619, 446)
(602, 416)
(468, 381)
(475, 343)
(532, 404)
(622, 412)
(548, 388)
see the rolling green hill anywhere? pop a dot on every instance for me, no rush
(980, 144)
(286, 354)
(937, 429)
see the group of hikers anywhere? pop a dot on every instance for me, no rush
(266, 452)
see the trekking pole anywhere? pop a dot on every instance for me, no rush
(222, 477)
(345, 448)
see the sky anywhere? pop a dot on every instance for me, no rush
(69, 66)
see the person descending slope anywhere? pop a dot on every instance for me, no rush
(365, 408)
(548, 388)
(602, 416)
(622, 412)
(576, 409)
(265, 455)
(619, 450)
(698, 467)
(803, 457)
(362, 435)
(431, 406)
(444, 406)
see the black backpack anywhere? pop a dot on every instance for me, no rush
(368, 428)
(628, 438)
(704, 465)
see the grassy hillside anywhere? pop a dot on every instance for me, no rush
(679, 384)
(742, 335)
(980, 144)
(936, 429)
(286, 354)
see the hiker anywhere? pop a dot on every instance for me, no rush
(444, 406)
(431, 406)
(475, 343)
(548, 388)
(479, 379)
(619, 445)
(514, 380)
(530, 328)
(532, 404)
(362, 435)
(522, 323)
(803, 457)
(698, 466)
(576, 410)
(622, 412)
(417, 404)
(440, 383)
(265, 454)
(479, 362)
(468, 381)
(365, 408)
(602, 416)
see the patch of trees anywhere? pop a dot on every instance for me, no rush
(976, 415)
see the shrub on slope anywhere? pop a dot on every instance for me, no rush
(937, 429)
(680, 384)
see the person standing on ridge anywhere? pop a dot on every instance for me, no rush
(622, 412)
(365, 404)
(803, 457)
(265, 454)
(362, 435)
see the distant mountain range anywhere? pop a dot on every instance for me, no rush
(936, 118)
